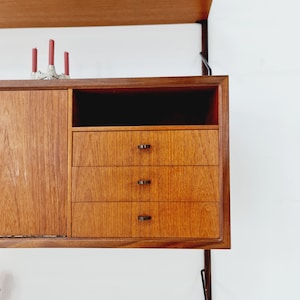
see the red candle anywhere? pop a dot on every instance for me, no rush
(51, 52)
(66, 63)
(34, 60)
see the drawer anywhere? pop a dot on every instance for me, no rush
(135, 148)
(166, 183)
(146, 220)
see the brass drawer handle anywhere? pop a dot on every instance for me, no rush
(144, 218)
(144, 146)
(142, 182)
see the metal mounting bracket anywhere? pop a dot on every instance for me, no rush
(205, 62)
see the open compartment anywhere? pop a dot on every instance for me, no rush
(132, 107)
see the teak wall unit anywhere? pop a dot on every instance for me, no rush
(51, 166)
(101, 163)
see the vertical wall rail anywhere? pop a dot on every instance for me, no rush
(206, 70)
(206, 275)
(207, 268)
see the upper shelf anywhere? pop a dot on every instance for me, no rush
(75, 13)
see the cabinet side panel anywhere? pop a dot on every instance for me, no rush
(223, 94)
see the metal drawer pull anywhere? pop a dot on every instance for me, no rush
(141, 182)
(144, 146)
(144, 218)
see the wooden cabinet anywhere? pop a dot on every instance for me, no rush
(115, 163)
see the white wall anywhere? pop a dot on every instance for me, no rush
(255, 43)
(121, 51)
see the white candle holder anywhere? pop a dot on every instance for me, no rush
(49, 75)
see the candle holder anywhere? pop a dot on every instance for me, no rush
(49, 75)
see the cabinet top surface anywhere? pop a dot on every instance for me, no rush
(114, 83)
(74, 13)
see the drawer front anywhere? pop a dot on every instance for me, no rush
(134, 148)
(146, 220)
(178, 183)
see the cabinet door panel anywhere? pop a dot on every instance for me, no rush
(167, 147)
(33, 164)
(175, 183)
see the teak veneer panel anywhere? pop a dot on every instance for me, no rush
(73, 13)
